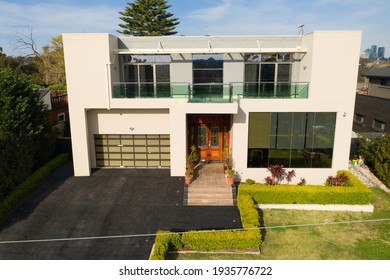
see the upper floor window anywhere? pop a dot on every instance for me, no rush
(267, 74)
(207, 76)
(146, 75)
(379, 125)
(207, 68)
(359, 118)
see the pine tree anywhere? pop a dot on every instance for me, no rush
(148, 18)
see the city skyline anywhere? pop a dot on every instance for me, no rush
(50, 18)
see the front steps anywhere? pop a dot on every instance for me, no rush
(209, 187)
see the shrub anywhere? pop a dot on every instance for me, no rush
(355, 193)
(164, 242)
(27, 185)
(302, 182)
(376, 153)
(219, 240)
(340, 179)
(248, 213)
(278, 174)
(249, 181)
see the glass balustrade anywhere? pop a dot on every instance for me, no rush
(211, 93)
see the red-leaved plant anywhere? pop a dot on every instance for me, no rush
(278, 174)
(338, 180)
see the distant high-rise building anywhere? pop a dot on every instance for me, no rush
(373, 53)
(381, 52)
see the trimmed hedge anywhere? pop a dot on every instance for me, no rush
(219, 240)
(164, 242)
(248, 213)
(27, 185)
(354, 193)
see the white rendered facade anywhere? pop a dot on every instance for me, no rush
(231, 79)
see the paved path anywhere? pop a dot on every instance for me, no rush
(209, 187)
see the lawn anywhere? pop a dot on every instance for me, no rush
(355, 241)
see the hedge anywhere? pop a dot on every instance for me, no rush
(27, 185)
(354, 193)
(247, 238)
(222, 240)
(164, 242)
(248, 213)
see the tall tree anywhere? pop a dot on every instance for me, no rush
(25, 133)
(148, 18)
(49, 61)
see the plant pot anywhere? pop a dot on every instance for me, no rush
(188, 180)
(230, 180)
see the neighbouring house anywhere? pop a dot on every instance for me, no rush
(372, 109)
(57, 103)
(142, 102)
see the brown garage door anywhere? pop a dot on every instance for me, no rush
(129, 150)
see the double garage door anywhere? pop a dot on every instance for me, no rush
(129, 150)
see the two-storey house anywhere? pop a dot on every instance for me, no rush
(142, 102)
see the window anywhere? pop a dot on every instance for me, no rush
(267, 75)
(385, 82)
(61, 118)
(146, 75)
(378, 125)
(291, 139)
(207, 75)
(359, 119)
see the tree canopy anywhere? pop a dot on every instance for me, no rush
(25, 133)
(148, 18)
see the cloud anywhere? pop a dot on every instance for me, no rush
(211, 13)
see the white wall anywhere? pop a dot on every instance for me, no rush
(87, 64)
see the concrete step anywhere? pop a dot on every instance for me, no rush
(216, 184)
(210, 202)
(209, 191)
(210, 196)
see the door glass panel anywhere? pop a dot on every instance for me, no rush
(201, 136)
(267, 79)
(163, 88)
(146, 80)
(214, 137)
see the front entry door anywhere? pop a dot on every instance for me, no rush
(209, 140)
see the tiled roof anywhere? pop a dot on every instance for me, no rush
(381, 72)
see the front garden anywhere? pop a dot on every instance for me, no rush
(343, 188)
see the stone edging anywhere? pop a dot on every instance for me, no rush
(320, 207)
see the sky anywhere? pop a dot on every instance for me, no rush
(49, 19)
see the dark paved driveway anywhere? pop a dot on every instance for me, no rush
(111, 202)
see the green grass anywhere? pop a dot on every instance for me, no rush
(356, 241)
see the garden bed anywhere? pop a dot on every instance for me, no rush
(354, 193)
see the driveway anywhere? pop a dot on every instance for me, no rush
(109, 207)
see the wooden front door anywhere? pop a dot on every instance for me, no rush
(210, 135)
(209, 140)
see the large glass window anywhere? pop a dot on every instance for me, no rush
(291, 139)
(207, 75)
(267, 75)
(146, 75)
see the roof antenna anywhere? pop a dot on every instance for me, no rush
(301, 29)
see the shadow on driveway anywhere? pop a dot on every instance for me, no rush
(111, 203)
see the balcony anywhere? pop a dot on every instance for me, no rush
(266, 90)
(58, 99)
(211, 93)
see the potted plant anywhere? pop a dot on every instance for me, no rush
(227, 162)
(230, 176)
(188, 175)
